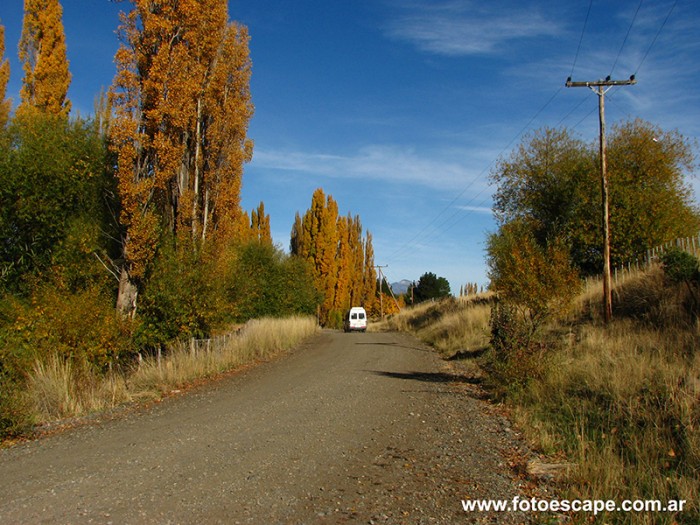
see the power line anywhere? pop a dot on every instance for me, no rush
(626, 36)
(583, 31)
(427, 228)
(656, 36)
(449, 222)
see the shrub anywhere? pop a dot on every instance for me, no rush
(516, 355)
(537, 278)
(182, 297)
(679, 266)
(264, 282)
(682, 268)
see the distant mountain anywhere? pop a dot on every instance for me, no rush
(401, 287)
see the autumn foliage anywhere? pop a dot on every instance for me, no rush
(182, 106)
(342, 261)
(42, 50)
(138, 203)
(4, 79)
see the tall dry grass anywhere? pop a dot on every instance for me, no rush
(620, 402)
(59, 388)
(451, 326)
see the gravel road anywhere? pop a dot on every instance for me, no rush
(347, 428)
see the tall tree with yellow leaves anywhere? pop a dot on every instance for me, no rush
(182, 108)
(4, 79)
(369, 277)
(260, 225)
(334, 247)
(42, 51)
(344, 257)
(315, 239)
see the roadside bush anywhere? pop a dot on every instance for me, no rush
(681, 268)
(15, 414)
(77, 329)
(81, 326)
(516, 355)
(182, 297)
(535, 277)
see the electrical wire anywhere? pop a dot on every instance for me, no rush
(583, 31)
(458, 215)
(634, 18)
(655, 37)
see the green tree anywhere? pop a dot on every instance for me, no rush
(650, 201)
(430, 286)
(269, 283)
(52, 213)
(551, 181)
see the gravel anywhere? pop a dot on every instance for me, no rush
(348, 428)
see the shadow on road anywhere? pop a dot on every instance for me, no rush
(431, 377)
(396, 345)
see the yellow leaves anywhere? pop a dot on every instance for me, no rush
(338, 255)
(42, 50)
(182, 105)
(4, 79)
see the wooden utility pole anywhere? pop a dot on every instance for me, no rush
(381, 295)
(600, 87)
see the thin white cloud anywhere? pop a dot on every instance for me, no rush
(476, 209)
(387, 163)
(468, 28)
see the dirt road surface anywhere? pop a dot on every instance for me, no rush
(347, 428)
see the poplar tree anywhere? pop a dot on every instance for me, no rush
(42, 51)
(4, 79)
(334, 248)
(369, 279)
(260, 225)
(343, 284)
(182, 107)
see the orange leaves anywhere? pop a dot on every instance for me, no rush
(4, 79)
(334, 247)
(182, 106)
(42, 50)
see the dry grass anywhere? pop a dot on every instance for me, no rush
(59, 388)
(621, 402)
(451, 326)
(624, 402)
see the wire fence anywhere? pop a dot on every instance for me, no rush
(196, 347)
(633, 268)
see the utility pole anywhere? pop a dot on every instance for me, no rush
(600, 87)
(381, 295)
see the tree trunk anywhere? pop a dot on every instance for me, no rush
(126, 297)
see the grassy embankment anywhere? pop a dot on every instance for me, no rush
(57, 389)
(621, 403)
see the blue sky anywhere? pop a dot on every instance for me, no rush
(400, 108)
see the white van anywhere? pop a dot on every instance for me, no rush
(356, 319)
